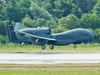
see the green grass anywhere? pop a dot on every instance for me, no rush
(48, 74)
(50, 69)
(18, 48)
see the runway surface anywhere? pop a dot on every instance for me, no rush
(49, 58)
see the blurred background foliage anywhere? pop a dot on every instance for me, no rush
(58, 15)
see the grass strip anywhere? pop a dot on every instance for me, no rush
(17, 48)
(50, 69)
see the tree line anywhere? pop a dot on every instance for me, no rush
(59, 15)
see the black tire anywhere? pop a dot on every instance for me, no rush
(51, 47)
(43, 47)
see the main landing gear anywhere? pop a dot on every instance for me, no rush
(51, 47)
(43, 47)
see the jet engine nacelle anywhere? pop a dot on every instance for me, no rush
(34, 31)
(37, 31)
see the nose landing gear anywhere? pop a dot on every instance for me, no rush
(75, 46)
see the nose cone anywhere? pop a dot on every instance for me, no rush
(87, 36)
(91, 35)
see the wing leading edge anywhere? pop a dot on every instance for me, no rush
(32, 36)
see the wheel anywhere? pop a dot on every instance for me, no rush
(75, 47)
(51, 47)
(22, 43)
(43, 47)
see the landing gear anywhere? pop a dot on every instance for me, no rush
(75, 46)
(43, 47)
(22, 43)
(51, 47)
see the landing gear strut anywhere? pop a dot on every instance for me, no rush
(43, 47)
(51, 47)
(75, 46)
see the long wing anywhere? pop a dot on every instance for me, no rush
(32, 36)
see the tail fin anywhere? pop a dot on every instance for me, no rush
(17, 26)
(11, 33)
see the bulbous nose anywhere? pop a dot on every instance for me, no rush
(91, 37)
(87, 36)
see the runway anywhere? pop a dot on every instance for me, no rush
(48, 58)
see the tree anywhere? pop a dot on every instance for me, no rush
(59, 30)
(41, 22)
(15, 11)
(3, 13)
(91, 4)
(69, 22)
(39, 2)
(0, 11)
(61, 8)
(3, 29)
(49, 5)
(7, 1)
(1, 2)
(97, 35)
(38, 12)
(51, 24)
(27, 22)
(96, 9)
(3, 32)
(83, 5)
(76, 11)
(90, 21)
(25, 3)
(3, 39)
